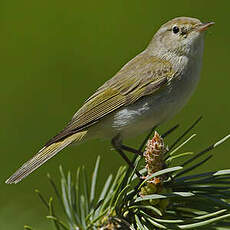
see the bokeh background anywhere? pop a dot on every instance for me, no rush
(54, 54)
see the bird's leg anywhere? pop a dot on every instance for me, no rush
(139, 150)
(117, 144)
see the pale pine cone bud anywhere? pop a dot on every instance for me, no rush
(154, 156)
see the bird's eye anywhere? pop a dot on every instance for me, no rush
(175, 29)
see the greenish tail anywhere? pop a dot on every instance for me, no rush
(42, 156)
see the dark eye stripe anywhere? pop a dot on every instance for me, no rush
(184, 31)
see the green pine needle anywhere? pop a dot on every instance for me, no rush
(164, 199)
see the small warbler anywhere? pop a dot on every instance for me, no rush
(147, 91)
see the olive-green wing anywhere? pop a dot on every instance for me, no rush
(143, 75)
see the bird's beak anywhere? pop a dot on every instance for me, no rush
(204, 26)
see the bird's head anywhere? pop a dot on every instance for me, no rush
(182, 36)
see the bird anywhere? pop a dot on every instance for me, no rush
(147, 91)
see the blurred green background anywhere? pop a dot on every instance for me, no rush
(54, 54)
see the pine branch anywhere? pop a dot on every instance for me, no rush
(167, 198)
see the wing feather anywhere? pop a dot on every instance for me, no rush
(142, 76)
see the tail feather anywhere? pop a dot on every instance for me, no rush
(42, 156)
